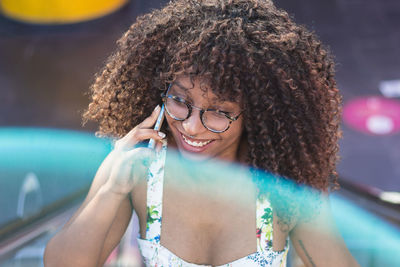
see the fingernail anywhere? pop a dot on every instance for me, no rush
(161, 134)
(157, 107)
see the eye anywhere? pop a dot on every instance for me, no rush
(220, 113)
(223, 111)
(185, 100)
(178, 100)
(179, 96)
(226, 107)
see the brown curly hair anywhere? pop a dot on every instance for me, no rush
(247, 48)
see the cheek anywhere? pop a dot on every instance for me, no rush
(234, 132)
(237, 127)
(171, 130)
(169, 121)
(172, 125)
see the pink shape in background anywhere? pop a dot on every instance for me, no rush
(374, 115)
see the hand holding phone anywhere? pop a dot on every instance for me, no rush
(157, 126)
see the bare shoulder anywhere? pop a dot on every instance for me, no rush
(317, 240)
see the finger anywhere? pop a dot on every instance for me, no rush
(151, 120)
(138, 136)
(145, 134)
(147, 123)
(159, 146)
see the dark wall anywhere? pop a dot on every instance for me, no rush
(45, 71)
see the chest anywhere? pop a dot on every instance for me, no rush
(206, 226)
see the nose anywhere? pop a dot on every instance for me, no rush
(193, 125)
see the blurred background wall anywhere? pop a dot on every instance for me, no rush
(47, 66)
(45, 70)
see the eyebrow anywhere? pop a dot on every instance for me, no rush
(188, 94)
(182, 88)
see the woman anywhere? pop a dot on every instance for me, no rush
(241, 83)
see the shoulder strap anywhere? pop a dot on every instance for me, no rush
(155, 182)
(264, 223)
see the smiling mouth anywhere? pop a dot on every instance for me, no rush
(195, 143)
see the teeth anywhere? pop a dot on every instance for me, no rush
(194, 143)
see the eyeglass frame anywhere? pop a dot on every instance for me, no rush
(190, 106)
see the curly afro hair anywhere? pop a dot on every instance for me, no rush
(248, 49)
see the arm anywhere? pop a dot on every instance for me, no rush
(318, 243)
(97, 227)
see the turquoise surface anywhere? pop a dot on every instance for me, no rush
(371, 240)
(46, 164)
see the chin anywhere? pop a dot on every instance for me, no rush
(194, 156)
(192, 152)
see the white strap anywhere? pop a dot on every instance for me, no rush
(155, 182)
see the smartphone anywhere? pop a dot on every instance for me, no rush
(157, 126)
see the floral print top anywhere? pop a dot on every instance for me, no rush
(154, 254)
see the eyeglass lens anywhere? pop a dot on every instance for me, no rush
(211, 119)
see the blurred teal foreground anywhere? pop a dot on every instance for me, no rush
(41, 166)
(370, 239)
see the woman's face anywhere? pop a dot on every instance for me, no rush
(192, 139)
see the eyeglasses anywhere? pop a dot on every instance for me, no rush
(215, 120)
